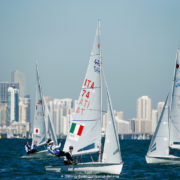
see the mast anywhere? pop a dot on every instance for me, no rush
(100, 145)
(32, 127)
(39, 86)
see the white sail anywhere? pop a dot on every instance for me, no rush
(111, 152)
(85, 130)
(51, 130)
(175, 107)
(159, 146)
(39, 128)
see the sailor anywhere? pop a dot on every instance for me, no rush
(28, 148)
(55, 150)
(34, 147)
(70, 160)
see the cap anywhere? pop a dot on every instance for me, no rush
(49, 141)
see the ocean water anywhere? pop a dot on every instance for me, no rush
(12, 166)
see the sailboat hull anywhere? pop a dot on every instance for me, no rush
(88, 168)
(39, 154)
(165, 160)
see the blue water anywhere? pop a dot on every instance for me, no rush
(12, 166)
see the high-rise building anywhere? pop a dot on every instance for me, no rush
(144, 114)
(119, 115)
(24, 109)
(154, 119)
(13, 105)
(66, 124)
(27, 102)
(60, 112)
(123, 126)
(4, 90)
(159, 108)
(3, 114)
(19, 77)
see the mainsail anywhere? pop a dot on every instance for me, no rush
(159, 146)
(111, 152)
(39, 128)
(85, 130)
(51, 130)
(175, 107)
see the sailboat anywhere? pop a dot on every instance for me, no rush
(85, 131)
(165, 144)
(39, 135)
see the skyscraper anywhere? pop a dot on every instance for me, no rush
(4, 90)
(24, 109)
(18, 77)
(123, 127)
(3, 114)
(119, 115)
(60, 111)
(13, 104)
(144, 114)
(27, 101)
(154, 119)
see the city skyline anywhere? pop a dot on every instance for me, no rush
(5, 85)
(138, 46)
(17, 119)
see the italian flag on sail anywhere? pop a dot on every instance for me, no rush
(76, 129)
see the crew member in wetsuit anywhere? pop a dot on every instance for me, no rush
(69, 161)
(28, 148)
(55, 150)
(34, 147)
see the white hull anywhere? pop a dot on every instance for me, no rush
(88, 168)
(166, 160)
(39, 154)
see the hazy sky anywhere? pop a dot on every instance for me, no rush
(139, 42)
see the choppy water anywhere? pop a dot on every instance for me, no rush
(133, 152)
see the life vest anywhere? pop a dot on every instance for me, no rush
(28, 147)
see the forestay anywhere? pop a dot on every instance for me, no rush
(175, 107)
(39, 128)
(159, 146)
(111, 152)
(85, 130)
